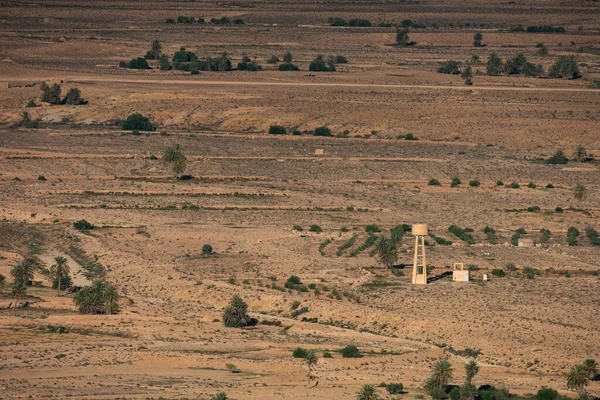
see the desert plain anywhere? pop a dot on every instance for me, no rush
(254, 196)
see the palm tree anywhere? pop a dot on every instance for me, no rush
(23, 273)
(580, 154)
(2, 281)
(18, 292)
(156, 47)
(311, 359)
(111, 298)
(387, 253)
(219, 396)
(176, 158)
(60, 270)
(578, 378)
(235, 315)
(580, 192)
(472, 368)
(468, 391)
(442, 373)
(367, 392)
(591, 366)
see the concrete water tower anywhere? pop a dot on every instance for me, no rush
(419, 276)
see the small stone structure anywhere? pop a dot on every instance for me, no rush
(419, 276)
(460, 274)
(319, 152)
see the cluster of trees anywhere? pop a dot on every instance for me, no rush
(137, 121)
(365, 23)
(52, 95)
(235, 314)
(216, 21)
(282, 130)
(99, 298)
(564, 67)
(580, 154)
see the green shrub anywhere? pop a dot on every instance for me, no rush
(455, 182)
(498, 272)
(490, 233)
(238, 21)
(221, 21)
(410, 136)
(494, 66)
(434, 182)
(557, 158)
(273, 59)
(499, 183)
(293, 280)
(336, 21)
(546, 394)
(351, 351)
(299, 352)
(514, 185)
(322, 131)
(135, 132)
(315, 228)
(41, 178)
(549, 186)
(545, 235)
(449, 67)
(533, 208)
(138, 63)
(395, 388)
(288, 67)
(545, 29)
(83, 225)
(558, 209)
(572, 234)
(319, 65)
(170, 21)
(592, 235)
(358, 22)
(372, 228)
(327, 355)
(341, 60)
(249, 65)
(531, 185)
(346, 245)
(137, 121)
(474, 183)
(277, 130)
(297, 228)
(564, 67)
(185, 20)
(207, 249)
(461, 234)
(73, 98)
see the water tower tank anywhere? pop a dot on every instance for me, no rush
(419, 229)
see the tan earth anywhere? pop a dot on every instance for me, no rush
(249, 189)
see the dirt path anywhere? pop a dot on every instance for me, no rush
(315, 84)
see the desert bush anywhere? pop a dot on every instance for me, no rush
(494, 66)
(564, 67)
(292, 281)
(402, 38)
(315, 228)
(572, 234)
(530, 69)
(277, 130)
(477, 37)
(336, 21)
(461, 234)
(327, 355)
(299, 352)
(434, 182)
(592, 235)
(137, 121)
(545, 29)
(31, 103)
(249, 65)
(170, 21)
(74, 98)
(297, 228)
(514, 185)
(341, 60)
(455, 182)
(474, 183)
(491, 234)
(410, 136)
(287, 57)
(531, 185)
(498, 272)
(372, 228)
(449, 67)
(185, 20)
(207, 249)
(273, 59)
(395, 388)
(98, 298)
(299, 311)
(358, 22)
(322, 131)
(351, 351)
(50, 94)
(319, 65)
(346, 245)
(545, 235)
(83, 225)
(499, 183)
(557, 158)
(288, 66)
(533, 209)
(238, 21)
(138, 63)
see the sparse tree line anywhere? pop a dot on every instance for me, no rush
(215, 21)
(564, 67)
(99, 298)
(185, 60)
(52, 95)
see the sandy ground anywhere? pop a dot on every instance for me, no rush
(250, 189)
